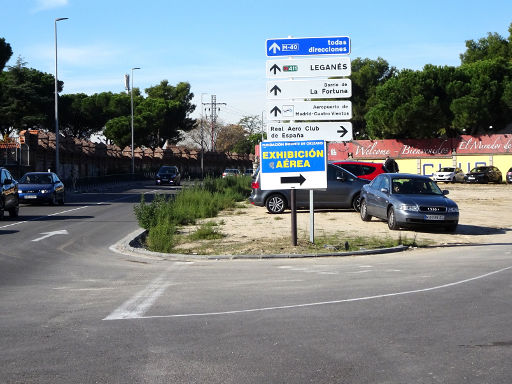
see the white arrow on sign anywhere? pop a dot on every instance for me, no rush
(315, 130)
(50, 234)
(308, 67)
(274, 47)
(308, 89)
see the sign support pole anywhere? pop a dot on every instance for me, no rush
(311, 218)
(293, 217)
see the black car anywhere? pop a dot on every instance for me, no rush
(168, 174)
(342, 191)
(484, 174)
(509, 176)
(41, 187)
(9, 194)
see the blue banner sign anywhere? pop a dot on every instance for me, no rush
(293, 156)
(338, 45)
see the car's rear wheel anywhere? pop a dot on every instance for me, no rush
(275, 204)
(392, 219)
(356, 203)
(364, 211)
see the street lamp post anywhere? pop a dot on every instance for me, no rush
(131, 96)
(57, 101)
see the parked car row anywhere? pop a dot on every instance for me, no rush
(403, 200)
(481, 174)
(33, 187)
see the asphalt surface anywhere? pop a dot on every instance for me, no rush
(75, 310)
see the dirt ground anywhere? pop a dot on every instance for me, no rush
(485, 218)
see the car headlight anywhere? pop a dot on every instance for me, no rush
(45, 191)
(409, 207)
(453, 209)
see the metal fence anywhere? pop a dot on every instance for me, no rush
(15, 158)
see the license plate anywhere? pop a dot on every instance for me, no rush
(30, 197)
(434, 217)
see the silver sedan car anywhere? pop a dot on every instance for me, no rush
(406, 200)
(449, 175)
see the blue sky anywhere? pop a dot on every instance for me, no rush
(219, 46)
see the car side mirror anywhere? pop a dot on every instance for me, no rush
(445, 192)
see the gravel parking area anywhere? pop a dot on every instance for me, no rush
(485, 218)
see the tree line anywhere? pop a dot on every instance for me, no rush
(437, 101)
(27, 98)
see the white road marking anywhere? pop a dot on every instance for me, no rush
(138, 305)
(83, 289)
(305, 305)
(50, 234)
(71, 210)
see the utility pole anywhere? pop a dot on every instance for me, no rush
(213, 110)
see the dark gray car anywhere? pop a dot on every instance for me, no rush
(406, 200)
(8, 194)
(342, 192)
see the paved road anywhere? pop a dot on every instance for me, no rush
(73, 311)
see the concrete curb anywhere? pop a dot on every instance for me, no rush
(126, 246)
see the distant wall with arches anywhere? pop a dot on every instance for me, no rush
(35, 151)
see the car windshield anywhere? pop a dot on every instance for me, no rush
(415, 186)
(168, 170)
(480, 169)
(36, 179)
(447, 169)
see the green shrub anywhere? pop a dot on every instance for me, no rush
(203, 200)
(160, 237)
(147, 214)
(207, 231)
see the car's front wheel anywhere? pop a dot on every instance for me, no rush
(392, 224)
(276, 204)
(356, 203)
(364, 211)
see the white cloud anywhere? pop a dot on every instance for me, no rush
(93, 55)
(43, 5)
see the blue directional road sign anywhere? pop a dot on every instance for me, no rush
(293, 164)
(306, 46)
